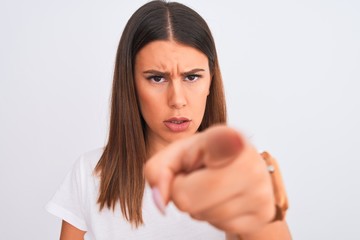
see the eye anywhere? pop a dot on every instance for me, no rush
(156, 79)
(192, 77)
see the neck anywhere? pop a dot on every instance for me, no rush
(153, 146)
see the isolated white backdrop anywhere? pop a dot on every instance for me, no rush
(291, 71)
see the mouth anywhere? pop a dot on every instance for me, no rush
(177, 124)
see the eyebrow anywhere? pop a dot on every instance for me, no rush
(167, 74)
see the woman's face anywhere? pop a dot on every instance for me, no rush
(172, 82)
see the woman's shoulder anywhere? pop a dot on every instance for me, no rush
(77, 191)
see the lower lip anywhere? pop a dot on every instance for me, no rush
(177, 127)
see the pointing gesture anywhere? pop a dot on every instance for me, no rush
(216, 176)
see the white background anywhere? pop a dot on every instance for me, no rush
(291, 71)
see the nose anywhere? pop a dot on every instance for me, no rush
(176, 95)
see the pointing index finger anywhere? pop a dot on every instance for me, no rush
(161, 168)
(212, 148)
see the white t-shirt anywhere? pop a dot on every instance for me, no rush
(76, 202)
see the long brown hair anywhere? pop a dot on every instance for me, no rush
(121, 164)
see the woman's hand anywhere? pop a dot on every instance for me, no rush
(216, 176)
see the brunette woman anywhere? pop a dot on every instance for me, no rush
(167, 91)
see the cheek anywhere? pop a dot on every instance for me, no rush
(202, 93)
(198, 101)
(197, 95)
(144, 102)
(149, 104)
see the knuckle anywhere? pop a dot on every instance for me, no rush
(264, 203)
(182, 201)
(197, 216)
(266, 209)
(240, 225)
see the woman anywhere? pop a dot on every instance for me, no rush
(167, 86)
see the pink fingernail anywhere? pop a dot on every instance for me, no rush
(158, 200)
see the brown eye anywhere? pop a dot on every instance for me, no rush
(156, 79)
(192, 77)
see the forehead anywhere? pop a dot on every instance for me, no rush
(167, 54)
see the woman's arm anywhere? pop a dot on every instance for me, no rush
(69, 232)
(219, 177)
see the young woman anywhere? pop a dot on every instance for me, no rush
(167, 86)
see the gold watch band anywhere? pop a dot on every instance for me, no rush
(281, 200)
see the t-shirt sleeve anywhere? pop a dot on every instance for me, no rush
(67, 203)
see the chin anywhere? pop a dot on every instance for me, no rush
(180, 135)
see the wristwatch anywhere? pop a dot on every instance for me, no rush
(281, 200)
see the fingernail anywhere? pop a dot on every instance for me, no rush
(158, 200)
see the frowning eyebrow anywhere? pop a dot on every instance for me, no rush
(167, 74)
